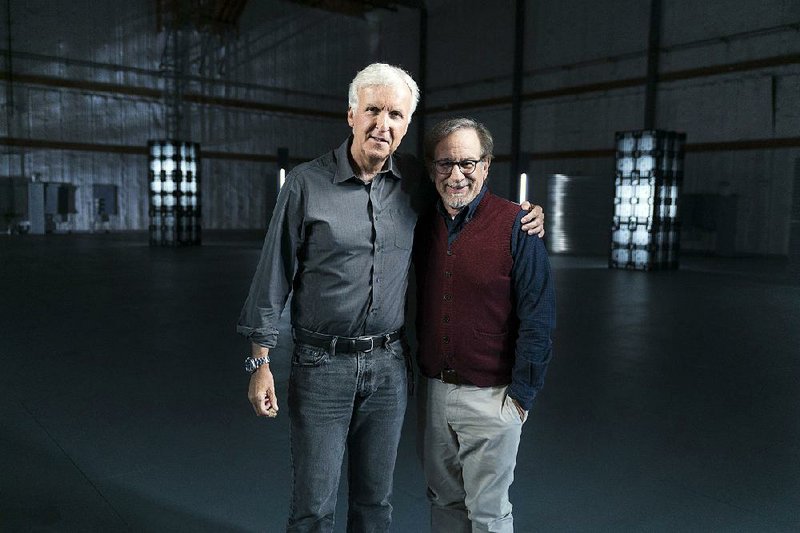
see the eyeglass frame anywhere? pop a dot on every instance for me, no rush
(451, 164)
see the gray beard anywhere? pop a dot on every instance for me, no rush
(457, 204)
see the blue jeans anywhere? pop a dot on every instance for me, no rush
(356, 400)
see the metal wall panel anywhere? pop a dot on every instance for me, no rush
(794, 222)
(570, 31)
(579, 122)
(246, 187)
(285, 55)
(470, 41)
(688, 20)
(726, 108)
(579, 42)
(763, 181)
(786, 104)
(292, 55)
(579, 212)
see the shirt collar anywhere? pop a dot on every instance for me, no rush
(344, 170)
(468, 212)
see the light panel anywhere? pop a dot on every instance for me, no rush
(645, 232)
(174, 193)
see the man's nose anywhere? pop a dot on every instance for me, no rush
(459, 175)
(383, 121)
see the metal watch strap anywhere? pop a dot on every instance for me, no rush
(251, 364)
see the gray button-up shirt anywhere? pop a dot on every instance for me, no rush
(343, 247)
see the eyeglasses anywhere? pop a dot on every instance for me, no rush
(467, 166)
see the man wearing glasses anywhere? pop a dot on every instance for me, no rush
(485, 316)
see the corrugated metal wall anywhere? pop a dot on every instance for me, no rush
(285, 55)
(575, 43)
(742, 120)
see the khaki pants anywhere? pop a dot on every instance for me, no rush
(470, 440)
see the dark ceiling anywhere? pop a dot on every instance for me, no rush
(358, 7)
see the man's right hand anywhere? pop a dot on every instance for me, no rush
(533, 222)
(261, 392)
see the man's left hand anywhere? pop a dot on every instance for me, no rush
(533, 222)
(523, 414)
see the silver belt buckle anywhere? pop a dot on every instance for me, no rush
(371, 343)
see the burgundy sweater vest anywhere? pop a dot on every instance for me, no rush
(466, 316)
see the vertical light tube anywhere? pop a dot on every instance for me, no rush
(281, 178)
(523, 187)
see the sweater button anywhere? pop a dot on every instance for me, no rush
(448, 274)
(446, 339)
(449, 252)
(446, 319)
(447, 297)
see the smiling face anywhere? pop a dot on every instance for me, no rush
(379, 124)
(456, 189)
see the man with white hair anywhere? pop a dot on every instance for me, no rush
(340, 239)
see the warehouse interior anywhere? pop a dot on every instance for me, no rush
(671, 403)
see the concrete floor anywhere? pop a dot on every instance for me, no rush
(672, 404)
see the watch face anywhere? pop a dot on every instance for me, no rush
(251, 364)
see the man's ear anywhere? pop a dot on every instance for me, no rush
(350, 116)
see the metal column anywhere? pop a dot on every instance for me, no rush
(516, 95)
(653, 49)
(421, 79)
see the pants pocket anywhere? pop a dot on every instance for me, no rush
(510, 409)
(308, 356)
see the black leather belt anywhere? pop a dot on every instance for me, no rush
(345, 344)
(450, 376)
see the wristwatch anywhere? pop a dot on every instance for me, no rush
(251, 364)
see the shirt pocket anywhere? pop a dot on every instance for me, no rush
(403, 222)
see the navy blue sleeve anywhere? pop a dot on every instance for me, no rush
(536, 309)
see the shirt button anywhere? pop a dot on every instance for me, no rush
(446, 339)
(446, 319)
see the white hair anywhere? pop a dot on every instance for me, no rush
(383, 74)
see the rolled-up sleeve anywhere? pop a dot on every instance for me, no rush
(277, 265)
